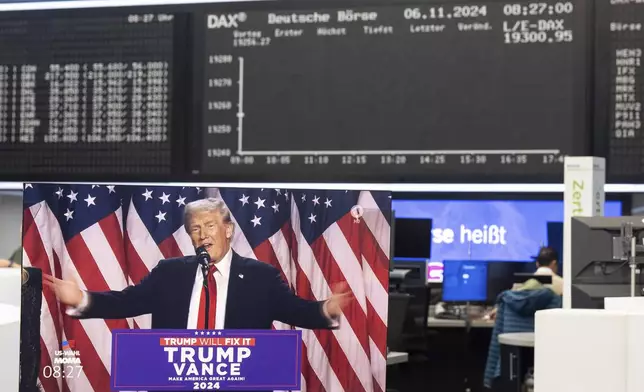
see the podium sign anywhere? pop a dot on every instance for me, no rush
(182, 360)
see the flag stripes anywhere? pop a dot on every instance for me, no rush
(107, 238)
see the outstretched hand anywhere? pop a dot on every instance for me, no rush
(338, 300)
(66, 291)
(8, 264)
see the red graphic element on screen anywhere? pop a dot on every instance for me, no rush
(69, 344)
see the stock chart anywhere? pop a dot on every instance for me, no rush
(397, 91)
(327, 91)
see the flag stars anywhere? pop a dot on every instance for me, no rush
(69, 214)
(276, 207)
(147, 194)
(312, 218)
(256, 221)
(111, 189)
(286, 196)
(303, 197)
(181, 201)
(328, 203)
(244, 200)
(160, 216)
(95, 186)
(90, 200)
(260, 203)
(316, 200)
(72, 196)
(164, 198)
(279, 192)
(27, 186)
(59, 193)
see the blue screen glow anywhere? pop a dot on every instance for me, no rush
(465, 281)
(487, 229)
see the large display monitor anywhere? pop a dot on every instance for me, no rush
(495, 230)
(619, 50)
(315, 91)
(92, 94)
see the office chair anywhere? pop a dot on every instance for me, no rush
(398, 306)
(415, 331)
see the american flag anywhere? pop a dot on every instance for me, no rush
(108, 237)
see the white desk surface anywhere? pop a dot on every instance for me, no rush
(445, 323)
(9, 347)
(519, 339)
(395, 357)
(9, 314)
(10, 285)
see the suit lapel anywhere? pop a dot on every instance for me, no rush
(234, 289)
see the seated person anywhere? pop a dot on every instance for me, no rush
(516, 313)
(547, 265)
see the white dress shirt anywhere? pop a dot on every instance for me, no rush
(557, 281)
(221, 277)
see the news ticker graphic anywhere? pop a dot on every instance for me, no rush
(66, 364)
(241, 360)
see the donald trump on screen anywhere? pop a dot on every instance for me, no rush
(242, 293)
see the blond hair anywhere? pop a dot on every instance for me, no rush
(209, 204)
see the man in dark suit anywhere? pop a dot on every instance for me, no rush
(243, 293)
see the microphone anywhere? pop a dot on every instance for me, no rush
(204, 259)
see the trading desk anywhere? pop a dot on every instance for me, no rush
(394, 358)
(433, 322)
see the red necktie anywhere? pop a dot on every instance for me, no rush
(212, 307)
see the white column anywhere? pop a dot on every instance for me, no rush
(584, 179)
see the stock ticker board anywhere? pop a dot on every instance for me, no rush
(328, 91)
(620, 43)
(432, 90)
(86, 95)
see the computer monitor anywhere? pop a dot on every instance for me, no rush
(414, 274)
(597, 267)
(465, 281)
(501, 276)
(412, 238)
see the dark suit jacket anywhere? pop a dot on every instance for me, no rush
(253, 302)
